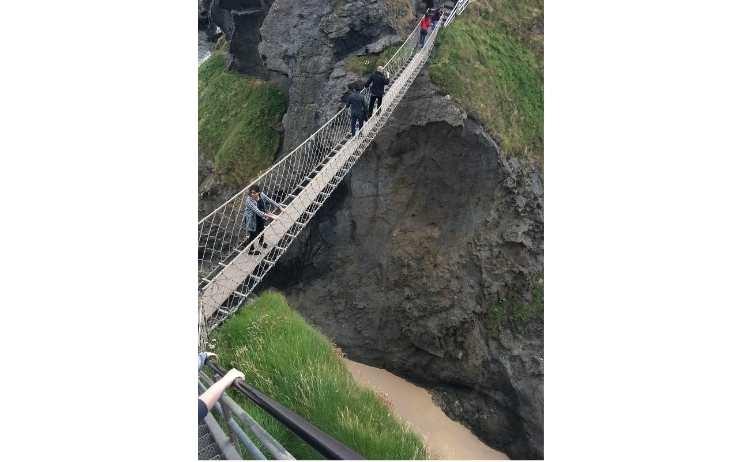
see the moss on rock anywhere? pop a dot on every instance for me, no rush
(238, 121)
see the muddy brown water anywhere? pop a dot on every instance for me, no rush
(444, 438)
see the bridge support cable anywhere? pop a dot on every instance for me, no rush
(455, 11)
(300, 182)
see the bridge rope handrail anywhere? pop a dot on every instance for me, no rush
(393, 66)
(313, 135)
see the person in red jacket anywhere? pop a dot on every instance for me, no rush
(426, 23)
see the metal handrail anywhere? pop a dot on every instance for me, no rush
(224, 443)
(317, 439)
(276, 449)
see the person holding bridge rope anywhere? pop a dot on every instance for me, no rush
(255, 214)
(376, 82)
(426, 23)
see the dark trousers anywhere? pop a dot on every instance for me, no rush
(256, 232)
(422, 37)
(372, 102)
(355, 119)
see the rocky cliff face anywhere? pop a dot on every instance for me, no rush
(304, 45)
(432, 229)
(240, 21)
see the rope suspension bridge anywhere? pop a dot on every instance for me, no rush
(300, 183)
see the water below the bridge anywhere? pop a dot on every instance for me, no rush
(445, 438)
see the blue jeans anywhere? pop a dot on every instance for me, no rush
(422, 38)
(356, 118)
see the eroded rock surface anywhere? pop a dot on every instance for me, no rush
(240, 21)
(302, 42)
(432, 227)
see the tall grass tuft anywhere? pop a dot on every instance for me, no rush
(239, 121)
(290, 361)
(491, 61)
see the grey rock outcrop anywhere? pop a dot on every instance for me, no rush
(430, 229)
(302, 43)
(240, 21)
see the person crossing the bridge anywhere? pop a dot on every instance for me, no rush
(426, 23)
(436, 16)
(358, 108)
(376, 82)
(255, 214)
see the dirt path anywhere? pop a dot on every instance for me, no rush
(445, 438)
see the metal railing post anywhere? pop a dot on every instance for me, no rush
(271, 444)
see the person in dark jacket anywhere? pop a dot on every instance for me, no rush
(376, 82)
(436, 15)
(255, 214)
(358, 107)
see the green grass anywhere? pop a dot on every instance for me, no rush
(365, 65)
(238, 121)
(287, 359)
(491, 61)
(517, 314)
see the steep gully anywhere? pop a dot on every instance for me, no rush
(430, 229)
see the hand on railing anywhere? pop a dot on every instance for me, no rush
(325, 444)
(209, 397)
(232, 376)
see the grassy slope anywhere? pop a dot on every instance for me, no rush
(293, 363)
(401, 15)
(238, 121)
(491, 61)
(365, 65)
